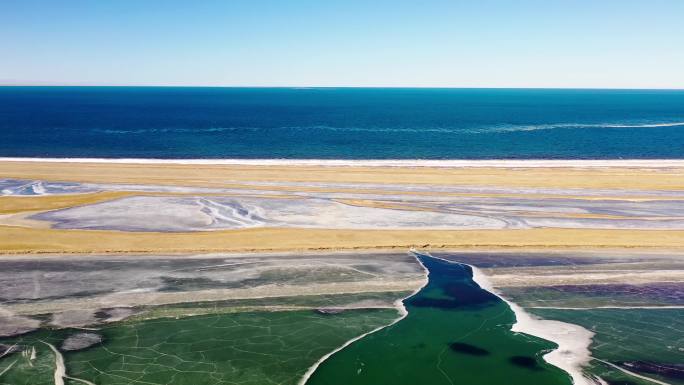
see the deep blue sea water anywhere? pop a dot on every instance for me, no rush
(340, 123)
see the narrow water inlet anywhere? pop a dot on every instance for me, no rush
(454, 332)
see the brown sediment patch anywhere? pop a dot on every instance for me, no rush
(20, 240)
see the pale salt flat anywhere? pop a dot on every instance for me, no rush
(218, 213)
(205, 213)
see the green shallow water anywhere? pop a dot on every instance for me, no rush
(253, 348)
(454, 333)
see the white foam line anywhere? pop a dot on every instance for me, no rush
(398, 304)
(447, 163)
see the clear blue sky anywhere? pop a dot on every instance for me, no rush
(433, 43)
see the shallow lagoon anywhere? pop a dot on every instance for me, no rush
(455, 332)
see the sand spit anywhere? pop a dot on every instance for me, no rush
(518, 163)
(573, 341)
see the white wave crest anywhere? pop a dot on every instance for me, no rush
(535, 127)
(650, 125)
(485, 129)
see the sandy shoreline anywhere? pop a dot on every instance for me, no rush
(19, 240)
(614, 177)
(652, 175)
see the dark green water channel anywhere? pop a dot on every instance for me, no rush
(454, 333)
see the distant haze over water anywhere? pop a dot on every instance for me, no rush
(340, 123)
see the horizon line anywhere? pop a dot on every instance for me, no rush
(336, 86)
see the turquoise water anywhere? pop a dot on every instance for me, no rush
(340, 123)
(454, 333)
